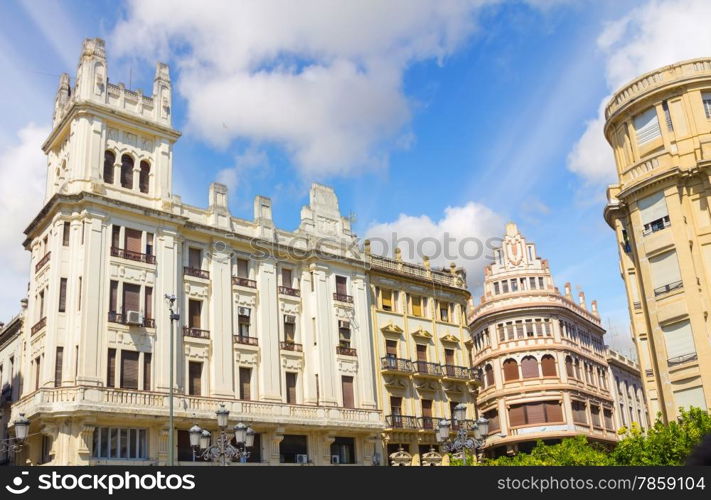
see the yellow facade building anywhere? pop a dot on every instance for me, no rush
(659, 127)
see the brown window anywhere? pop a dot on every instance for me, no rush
(132, 239)
(38, 371)
(347, 386)
(115, 236)
(341, 285)
(493, 417)
(111, 369)
(554, 411)
(444, 311)
(395, 405)
(127, 172)
(194, 378)
(416, 306)
(58, 362)
(149, 244)
(569, 367)
(517, 415)
(608, 419)
(286, 277)
(243, 268)
(195, 258)
(489, 375)
(291, 388)
(109, 160)
(289, 328)
(65, 234)
(131, 297)
(129, 370)
(245, 386)
(421, 352)
(147, 362)
(144, 176)
(529, 367)
(579, 415)
(113, 296)
(535, 413)
(194, 313)
(148, 302)
(548, 366)
(243, 321)
(595, 416)
(449, 356)
(427, 408)
(344, 333)
(387, 299)
(391, 348)
(62, 295)
(510, 370)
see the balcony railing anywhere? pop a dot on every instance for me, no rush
(197, 273)
(244, 339)
(396, 364)
(427, 368)
(429, 423)
(294, 292)
(648, 372)
(38, 326)
(342, 297)
(684, 358)
(117, 317)
(43, 261)
(668, 288)
(236, 280)
(460, 372)
(196, 333)
(346, 351)
(291, 346)
(656, 225)
(401, 422)
(122, 253)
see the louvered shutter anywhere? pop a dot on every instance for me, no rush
(665, 269)
(535, 413)
(131, 297)
(147, 368)
(653, 207)
(646, 126)
(679, 339)
(548, 368)
(58, 362)
(111, 369)
(595, 416)
(291, 388)
(195, 258)
(133, 240)
(608, 419)
(510, 370)
(529, 367)
(149, 302)
(195, 378)
(554, 411)
(129, 370)
(690, 397)
(341, 288)
(113, 296)
(517, 416)
(245, 389)
(347, 385)
(493, 417)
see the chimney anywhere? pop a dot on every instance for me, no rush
(593, 306)
(581, 299)
(568, 295)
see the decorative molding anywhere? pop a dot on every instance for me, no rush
(422, 333)
(392, 329)
(450, 338)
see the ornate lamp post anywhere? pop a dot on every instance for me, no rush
(463, 443)
(222, 449)
(22, 427)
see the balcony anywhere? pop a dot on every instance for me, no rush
(427, 369)
(122, 253)
(117, 317)
(396, 365)
(345, 351)
(43, 261)
(429, 423)
(244, 339)
(293, 292)
(401, 422)
(456, 372)
(636, 305)
(649, 373)
(684, 358)
(342, 297)
(237, 281)
(656, 225)
(668, 288)
(291, 346)
(38, 326)
(196, 273)
(195, 333)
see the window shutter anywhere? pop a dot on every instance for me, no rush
(595, 416)
(679, 339)
(65, 234)
(529, 367)
(554, 411)
(535, 413)
(489, 373)
(653, 207)
(131, 297)
(147, 363)
(449, 356)
(245, 389)
(133, 240)
(517, 416)
(149, 302)
(548, 366)
(493, 417)
(387, 300)
(665, 269)
(341, 288)
(391, 348)
(242, 268)
(690, 397)
(129, 369)
(195, 378)
(608, 419)
(510, 370)
(111, 369)
(194, 258)
(115, 235)
(291, 388)
(113, 296)
(579, 415)
(347, 385)
(58, 362)
(421, 352)
(286, 277)
(194, 310)
(646, 126)
(62, 294)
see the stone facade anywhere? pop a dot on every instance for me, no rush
(659, 127)
(627, 391)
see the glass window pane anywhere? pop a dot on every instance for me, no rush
(113, 439)
(142, 448)
(124, 443)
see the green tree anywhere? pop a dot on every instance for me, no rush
(570, 451)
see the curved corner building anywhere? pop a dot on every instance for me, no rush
(659, 127)
(540, 356)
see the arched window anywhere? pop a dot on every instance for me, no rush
(548, 366)
(569, 366)
(529, 367)
(510, 370)
(489, 375)
(143, 176)
(127, 172)
(109, 160)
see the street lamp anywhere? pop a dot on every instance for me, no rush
(22, 427)
(462, 443)
(174, 316)
(222, 449)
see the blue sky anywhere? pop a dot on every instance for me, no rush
(442, 114)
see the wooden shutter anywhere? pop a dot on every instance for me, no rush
(147, 368)
(416, 306)
(595, 416)
(194, 310)
(133, 240)
(665, 269)
(347, 385)
(131, 297)
(65, 234)
(387, 298)
(395, 405)
(449, 356)
(548, 366)
(579, 415)
(243, 268)
(646, 126)
(195, 378)
(111, 369)
(535, 413)
(291, 388)
(245, 386)
(493, 417)
(510, 370)
(554, 411)
(129, 370)
(115, 236)
(113, 296)
(62, 294)
(517, 415)
(149, 302)
(391, 348)
(608, 419)
(529, 367)
(58, 362)
(427, 408)
(195, 258)
(679, 339)
(421, 352)
(341, 285)
(652, 207)
(286, 277)
(489, 373)
(569, 366)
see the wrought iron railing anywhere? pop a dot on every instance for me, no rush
(668, 288)
(236, 280)
(427, 368)
(342, 297)
(294, 292)
(684, 358)
(291, 346)
(122, 253)
(117, 317)
(43, 261)
(244, 339)
(197, 273)
(453, 371)
(401, 422)
(195, 332)
(346, 351)
(396, 364)
(38, 326)
(429, 423)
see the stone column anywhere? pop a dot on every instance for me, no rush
(221, 327)
(268, 325)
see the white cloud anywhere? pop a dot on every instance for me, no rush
(465, 235)
(653, 35)
(23, 170)
(323, 79)
(248, 161)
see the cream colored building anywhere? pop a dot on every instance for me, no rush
(659, 127)
(422, 367)
(274, 324)
(540, 355)
(627, 391)
(10, 377)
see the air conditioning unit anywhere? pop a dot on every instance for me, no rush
(134, 318)
(302, 459)
(335, 459)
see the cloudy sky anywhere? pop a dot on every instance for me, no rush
(429, 118)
